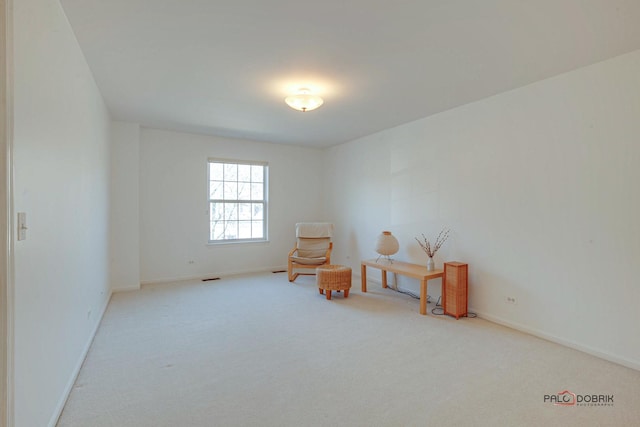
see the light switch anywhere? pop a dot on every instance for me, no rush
(22, 225)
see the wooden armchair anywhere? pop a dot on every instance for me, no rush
(312, 250)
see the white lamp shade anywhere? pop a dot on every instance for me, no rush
(387, 244)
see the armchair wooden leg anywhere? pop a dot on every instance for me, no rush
(329, 294)
(290, 271)
(291, 274)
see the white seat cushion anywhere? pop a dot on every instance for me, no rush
(314, 229)
(313, 248)
(309, 261)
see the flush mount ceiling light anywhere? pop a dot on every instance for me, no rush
(304, 101)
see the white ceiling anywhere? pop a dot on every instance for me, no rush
(225, 67)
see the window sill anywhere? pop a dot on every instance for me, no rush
(250, 242)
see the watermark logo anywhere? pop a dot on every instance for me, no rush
(564, 398)
(567, 398)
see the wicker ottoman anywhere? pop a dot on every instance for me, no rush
(333, 278)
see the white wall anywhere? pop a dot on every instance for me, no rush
(539, 188)
(125, 229)
(174, 210)
(61, 161)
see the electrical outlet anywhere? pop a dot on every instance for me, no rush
(191, 261)
(510, 300)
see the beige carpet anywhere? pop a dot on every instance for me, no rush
(258, 351)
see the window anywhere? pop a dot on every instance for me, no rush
(237, 201)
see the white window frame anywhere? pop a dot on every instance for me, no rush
(263, 201)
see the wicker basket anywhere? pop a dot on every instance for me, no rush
(333, 278)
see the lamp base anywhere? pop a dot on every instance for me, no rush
(387, 257)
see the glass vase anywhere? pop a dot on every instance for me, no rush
(430, 264)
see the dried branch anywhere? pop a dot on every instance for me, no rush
(426, 245)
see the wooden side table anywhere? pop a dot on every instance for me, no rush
(456, 289)
(414, 271)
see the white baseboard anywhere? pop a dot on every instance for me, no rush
(222, 274)
(567, 343)
(126, 289)
(79, 363)
(633, 364)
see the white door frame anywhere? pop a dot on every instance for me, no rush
(6, 213)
